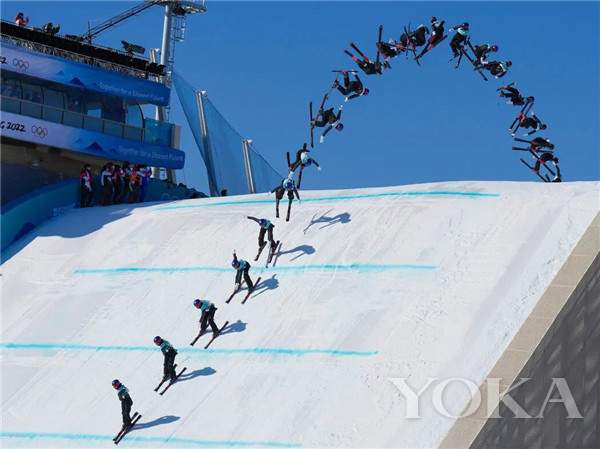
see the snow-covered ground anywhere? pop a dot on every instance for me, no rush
(418, 281)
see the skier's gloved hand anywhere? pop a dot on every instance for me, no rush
(319, 168)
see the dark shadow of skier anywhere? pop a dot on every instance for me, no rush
(157, 422)
(268, 284)
(208, 371)
(238, 326)
(302, 249)
(342, 218)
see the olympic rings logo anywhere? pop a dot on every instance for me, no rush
(39, 131)
(20, 64)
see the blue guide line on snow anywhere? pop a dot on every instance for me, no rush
(132, 438)
(359, 267)
(294, 352)
(434, 193)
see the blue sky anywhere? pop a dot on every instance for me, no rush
(261, 62)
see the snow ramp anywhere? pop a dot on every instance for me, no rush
(414, 282)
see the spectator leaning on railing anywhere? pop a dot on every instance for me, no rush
(21, 20)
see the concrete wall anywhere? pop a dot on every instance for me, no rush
(560, 339)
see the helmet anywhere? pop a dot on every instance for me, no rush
(466, 25)
(555, 160)
(433, 19)
(365, 91)
(116, 383)
(339, 126)
(157, 340)
(508, 63)
(288, 183)
(543, 126)
(494, 47)
(263, 222)
(235, 263)
(197, 303)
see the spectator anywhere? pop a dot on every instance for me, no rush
(107, 184)
(145, 174)
(118, 184)
(126, 182)
(135, 182)
(21, 20)
(85, 185)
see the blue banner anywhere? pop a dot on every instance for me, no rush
(71, 73)
(105, 146)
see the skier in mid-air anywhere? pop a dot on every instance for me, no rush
(514, 96)
(462, 33)
(365, 64)
(545, 158)
(481, 52)
(532, 121)
(303, 160)
(242, 267)
(266, 227)
(207, 317)
(126, 402)
(496, 68)
(437, 35)
(169, 362)
(328, 119)
(354, 87)
(288, 186)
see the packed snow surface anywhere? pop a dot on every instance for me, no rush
(419, 281)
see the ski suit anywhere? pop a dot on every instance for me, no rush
(462, 32)
(169, 352)
(242, 270)
(207, 318)
(126, 403)
(349, 87)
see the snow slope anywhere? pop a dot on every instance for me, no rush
(419, 281)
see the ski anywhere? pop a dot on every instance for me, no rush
(196, 339)
(123, 429)
(260, 250)
(163, 381)
(251, 291)
(215, 336)
(431, 47)
(288, 161)
(533, 170)
(312, 132)
(527, 107)
(518, 139)
(233, 294)
(124, 432)
(287, 217)
(359, 52)
(378, 57)
(342, 71)
(411, 47)
(300, 177)
(171, 383)
(520, 149)
(272, 253)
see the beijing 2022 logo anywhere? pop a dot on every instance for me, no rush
(39, 131)
(20, 64)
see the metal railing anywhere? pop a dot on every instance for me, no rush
(114, 67)
(158, 133)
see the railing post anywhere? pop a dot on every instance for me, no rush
(208, 159)
(248, 165)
